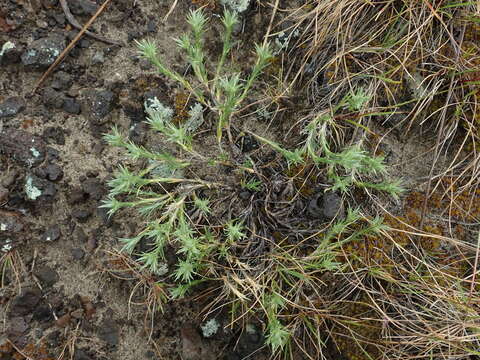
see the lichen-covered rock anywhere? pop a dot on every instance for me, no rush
(11, 107)
(27, 149)
(238, 6)
(97, 104)
(10, 53)
(10, 222)
(36, 188)
(42, 52)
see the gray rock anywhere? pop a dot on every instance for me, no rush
(78, 254)
(326, 206)
(53, 233)
(97, 104)
(81, 355)
(42, 52)
(59, 18)
(53, 172)
(332, 206)
(11, 107)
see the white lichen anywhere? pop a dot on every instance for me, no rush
(7, 46)
(282, 40)
(34, 152)
(32, 53)
(162, 269)
(7, 246)
(157, 111)
(32, 192)
(195, 119)
(250, 329)
(210, 328)
(416, 83)
(264, 113)
(3, 227)
(237, 6)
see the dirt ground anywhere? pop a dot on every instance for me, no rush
(64, 296)
(63, 304)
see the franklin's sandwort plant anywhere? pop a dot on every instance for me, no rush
(221, 92)
(175, 213)
(177, 209)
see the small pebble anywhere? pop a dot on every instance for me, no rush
(53, 233)
(78, 254)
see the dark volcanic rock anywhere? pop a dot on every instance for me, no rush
(17, 327)
(82, 7)
(42, 313)
(53, 99)
(76, 196)
(81, 215)
(11, 106)
(192, 345)
(97, 104)
(24, 147)
(3, 194)
(71, 106)
(81, 355)
(80, 235)
(78, 254)
(47, 276)
(93, 188)
(25, 303)
(42, 52)
(53, 172)
(55, 134)
(109, 332)
(9, 178)
(250, 341)
(62, 81)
